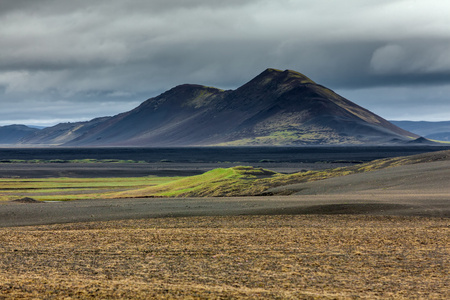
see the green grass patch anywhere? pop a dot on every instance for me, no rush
(63, 189)
(236, 181)
(215, 183)
(293, 137)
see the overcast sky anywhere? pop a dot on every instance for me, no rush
(73, 60)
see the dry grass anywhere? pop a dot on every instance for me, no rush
(285, 257)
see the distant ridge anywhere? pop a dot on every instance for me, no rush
(431, 130)
(12, 134)
(275, 108)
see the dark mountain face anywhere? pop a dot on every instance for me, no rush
(61, 133)
(275, 108)
(12, 134)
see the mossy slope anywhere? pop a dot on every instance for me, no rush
(215, 183)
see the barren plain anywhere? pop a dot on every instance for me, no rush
(252, 257)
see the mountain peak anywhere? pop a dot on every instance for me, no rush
(275, 108)
(192, 88)
(270, 75)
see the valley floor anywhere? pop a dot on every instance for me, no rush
(398, 204)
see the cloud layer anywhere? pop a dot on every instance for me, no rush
(82, 59)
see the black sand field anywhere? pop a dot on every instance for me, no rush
(24, 214)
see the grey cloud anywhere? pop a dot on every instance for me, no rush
(417, 103)
(423, 57)
(93, 51)
(47, 112)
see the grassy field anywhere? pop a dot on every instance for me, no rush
(63, 189)
(277, 257)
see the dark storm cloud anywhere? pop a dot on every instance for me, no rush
(95, 53)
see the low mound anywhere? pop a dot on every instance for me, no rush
(215, 183)
(26, 200)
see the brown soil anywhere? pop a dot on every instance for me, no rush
(254, 257)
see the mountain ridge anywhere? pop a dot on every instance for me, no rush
(274, 108)
(438, 130)
(11, 134)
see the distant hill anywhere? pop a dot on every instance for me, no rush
(61, 133)
(431, 130)
(275, 108)
(12, 134)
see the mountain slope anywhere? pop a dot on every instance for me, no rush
(275, 108)
(432, 130)
(12, 134)
(61, 133)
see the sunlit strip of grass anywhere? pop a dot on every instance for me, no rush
(65, 190)
(73, 188)
(441, 142)
(69, 197)
(62, 182)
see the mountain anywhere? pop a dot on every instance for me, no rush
(61, 133)
(275, 108)
(432, 130)
(12, 134)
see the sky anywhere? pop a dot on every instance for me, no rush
(74, 60)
